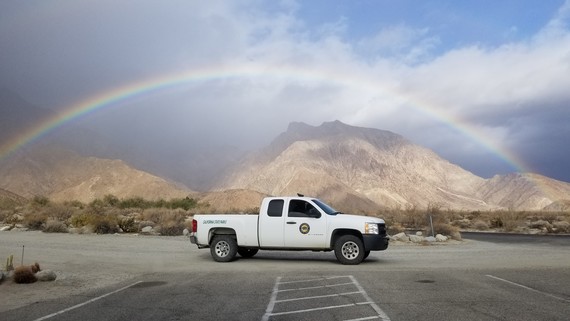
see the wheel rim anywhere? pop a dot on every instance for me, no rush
(222, 248)
(350, 250)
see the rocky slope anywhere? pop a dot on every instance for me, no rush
(352, 166)
(64, 175)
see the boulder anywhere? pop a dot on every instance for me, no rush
(416, 238)
(147, 230)
(430, 239)
(185, 232)
(5, 228)
(441, 238)
(400, 237)
(46, 275)
(419, 233)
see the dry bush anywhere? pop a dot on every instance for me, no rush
(34, 220)
(128, 224)
(79, 220)
(24, 274)
(55, 226)
(173, 222)
(480, 225)
(442, 228)
(104, 224)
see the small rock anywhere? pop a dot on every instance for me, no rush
(400, 237)
(146, 230)
(419, 233)
(5, 228)
(185, 232)
(416, 238)
(441, 238)
(430, 239)
(46, 275)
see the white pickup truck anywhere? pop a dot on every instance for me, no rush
(290, 223)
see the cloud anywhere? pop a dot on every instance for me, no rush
(400, 77)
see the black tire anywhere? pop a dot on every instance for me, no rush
(223, 248)
(246, 253)
(349, 250)
(366, 253)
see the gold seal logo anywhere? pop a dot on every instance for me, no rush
(304, 228)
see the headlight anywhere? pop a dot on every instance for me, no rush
(371, 228)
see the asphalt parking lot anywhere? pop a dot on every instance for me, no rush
(473, 280)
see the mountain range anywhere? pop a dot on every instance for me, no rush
(355, 169)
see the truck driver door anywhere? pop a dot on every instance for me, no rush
(305, 226)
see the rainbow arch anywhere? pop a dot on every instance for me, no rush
(161, 83)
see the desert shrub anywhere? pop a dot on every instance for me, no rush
(34, 220)
(74, 204)
(55, 226)
(183, 203)
(104, 224)
(111, 200)
(39, 201)
(79, 220)
(442, 228)
(480, 225)
(562, 226)
(171, 228)
(394, 228)
(59, 212)
(24, 274)
(128, 224)
(134, 202)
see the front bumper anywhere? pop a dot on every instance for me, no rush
(375, 242)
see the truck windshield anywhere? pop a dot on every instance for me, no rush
(327, 209)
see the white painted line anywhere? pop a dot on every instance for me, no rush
(271, 304)
(315, 309)
(317, 297)
(312, 280)
(374, 306)
(365, 318)
(86, 302)
(316, 287)
(528, 288)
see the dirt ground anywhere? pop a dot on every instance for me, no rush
(85, 262)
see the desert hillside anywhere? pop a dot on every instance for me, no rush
(370, 169)
(61, 175)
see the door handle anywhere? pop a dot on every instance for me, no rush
(291, 222)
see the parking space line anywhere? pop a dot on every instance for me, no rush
(316, 287)
(528, 288)
(314, 309)
(367, 300)
(317, 297)
(86, 302)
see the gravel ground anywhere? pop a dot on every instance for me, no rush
(85, 262)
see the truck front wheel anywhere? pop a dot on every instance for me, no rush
(223, 248)
(349, 250)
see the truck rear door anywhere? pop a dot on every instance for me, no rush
(271, 222)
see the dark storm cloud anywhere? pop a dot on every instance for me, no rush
(510, 96)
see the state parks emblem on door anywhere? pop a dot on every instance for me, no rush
(304, 228)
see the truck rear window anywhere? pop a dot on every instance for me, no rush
(275, 208)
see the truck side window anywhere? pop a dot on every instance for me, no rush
(275, 208)
(299, 208)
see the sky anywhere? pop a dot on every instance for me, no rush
(485, 84)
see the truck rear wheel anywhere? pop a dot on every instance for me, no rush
(246, 253)
(223, 248)
(349, 250)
